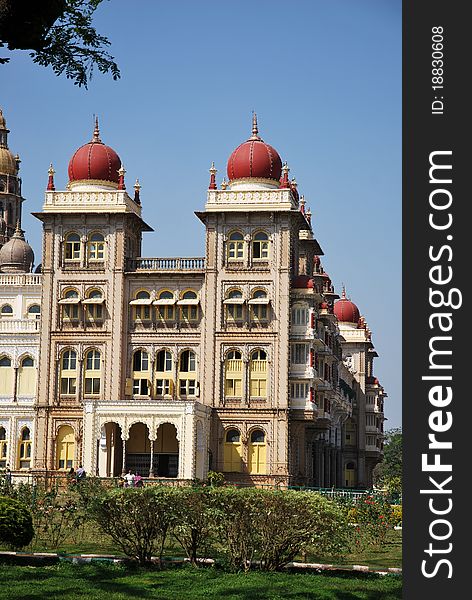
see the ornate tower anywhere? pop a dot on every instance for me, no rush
(10, 186)
(90, 231)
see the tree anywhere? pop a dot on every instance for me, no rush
(60, 35)
(388, 473)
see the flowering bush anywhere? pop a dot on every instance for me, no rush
(372, 517)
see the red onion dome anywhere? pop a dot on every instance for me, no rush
(95, 161)
(303, 282)
(254, 158)
(346, 311)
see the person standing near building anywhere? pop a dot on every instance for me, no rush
(129, 479)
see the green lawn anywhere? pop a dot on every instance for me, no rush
(91, 582)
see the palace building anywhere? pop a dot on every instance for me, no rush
(244, 361)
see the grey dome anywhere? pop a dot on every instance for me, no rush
(16, 256)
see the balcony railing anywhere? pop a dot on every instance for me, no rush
(166, 264)
(20, 279)
(19, 325)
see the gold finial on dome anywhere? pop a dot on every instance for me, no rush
(96, 132)
(255, 129)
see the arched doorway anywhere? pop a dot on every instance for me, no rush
(166, 451)
(350, 475)
(257, 452)
(138, 450)
(65, 448)
(110, 451)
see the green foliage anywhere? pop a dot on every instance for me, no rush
(137, 519)
(388, 473)
(397, 515)
(373, 517)
(16, 524)
(234, 521)
(194, 525)
(273, 527)
(61, 35)
(215, 479)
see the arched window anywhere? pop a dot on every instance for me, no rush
(234, 305)
(24, 449)
(233, 374)
(257, 453)
(27, 377)
(65, 448)
(258, 374)
(187, 374)
(68, 373)
(34, 311)
(189, 306)
(94, 305)
(260, 246)
(92, 373)
(259, 305)
(6, 311)
(70, 305)
(72, 246)
(164, 379)
(235, 246)
(165, 306)
(3, 448)
(6, 376)
(141, 374)
(232, 456)
(142, 306)
(96, 247)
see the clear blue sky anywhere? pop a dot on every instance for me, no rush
(325, 80)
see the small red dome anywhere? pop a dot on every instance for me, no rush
(254, 158)
(346, 311)
(302, 281)
(95, 161)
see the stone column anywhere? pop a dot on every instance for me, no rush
(123, 468)
(151, 466)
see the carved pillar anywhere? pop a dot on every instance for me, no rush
(151, 464)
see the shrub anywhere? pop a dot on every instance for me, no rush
(291, 522)
(16, 523)
(273, 527)
(234, 512)
(137, 519)
(194, 520)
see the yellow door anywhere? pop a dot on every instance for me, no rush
(65, 448)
